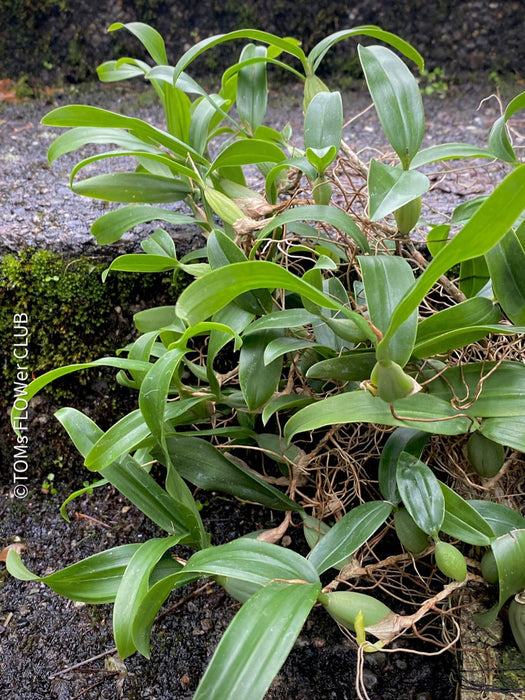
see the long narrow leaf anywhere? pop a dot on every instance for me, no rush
(490, 223)
(348, 534)
(257, 642)
(420, 411)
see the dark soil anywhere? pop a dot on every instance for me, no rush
(42, 634)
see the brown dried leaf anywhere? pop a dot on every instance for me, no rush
(18, 547)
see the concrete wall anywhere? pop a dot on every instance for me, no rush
(51, 40)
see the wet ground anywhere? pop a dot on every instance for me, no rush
(41, 634)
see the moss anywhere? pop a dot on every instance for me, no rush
(73, 316)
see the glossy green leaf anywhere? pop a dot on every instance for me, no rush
(319, 51)
(284, 402)
(247, 559)
(257, 642)
(288, 318)
(78, 494)
(420, 411)
(110, 227)
(321, 158)
(506, 262)
(246, 152)
(401, 440)
(252, 92)
(85, 115)
(138, 262)
(386, 281)
(323, 122)
(40, 382)
(484, 389)
(215, 290)
(315, 212)
(490, 223)
(203, 465)
(499, 142)
(421, 493)
(115, 71)
(397, 100)
(157, 318)
(287, 45)
(278, 347)
(437, 238)
(506, 430)
(348, 534)
(455, 327)
(258, 380)
(134, 482)
(509, 552)
(473, 276)
(500, 518)
(354, 366)
(390, 187)
(80, 136)
(148, 36)
(448, 151)
(92, 580)
(132, 589)
(463, 522)
(132, 187)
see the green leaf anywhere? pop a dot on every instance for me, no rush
(115, 71)
(386, 281)
(288, 318)
(506, 262)
(484, 389)
(455, 327)
(77, 494)
(257, 642)
(149, 37)
(354, 366)
(134, 482)
(252, 560)
(463, 522)
(389, 188)
(246, 152)
(473, 276)
(507, 430)
(319, 51)
(421, 493)
(397, 100)
(348, 534)
(138, 262)
(282, 346)
(401, 440)
(316, 212)
(420, 411)
(448, 151)
(509, 552)
(132, 187)
(500, 518)
(132, 589)
(92, 580)
(284, 403)
(252, 91)
(490, 223)
(110, 227)
(40, 382)
(219, 287)
(204, 466)
(85, 115)
(258, 379)
(80, 136)
(323, 123)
